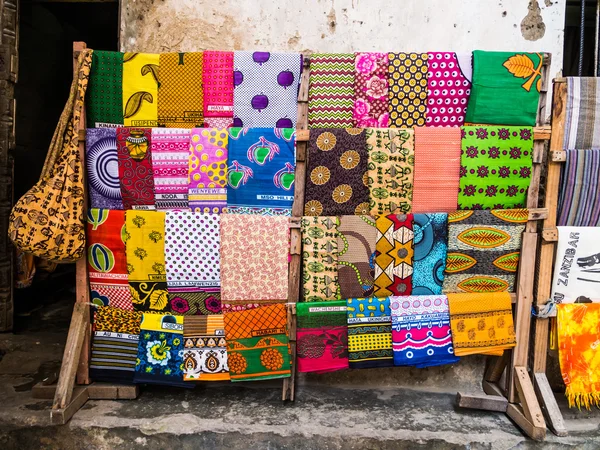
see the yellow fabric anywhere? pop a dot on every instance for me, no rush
(481, 323)
(162, 322)
(145, 245)
(140, 89)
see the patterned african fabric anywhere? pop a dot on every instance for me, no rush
(205, 349)
(394, 255)
(254, 258)
(207, 170)
(114, 344)
(190, 301)
(257, 343)
(578, 330)
(140, 89)
(495, 167)
(265, 90)
(448, 90)
(583, 110)
(218, 89)
(391, 170)
(407, 78)
(430, 247)
(135, 168)
(371, 90)
(102, 165)
(320, 258)
(104, 101)
(481, 323)
(331, 90)
(437, 169)
(356, 239)
(337, 177)
(506, 88)
(261, 172)
(322, 336)
(369, 333)
(170, 154)
(180, 90)
(421, 331)
(483, 250)
(144, 238)
(579, 192)
(577, 266)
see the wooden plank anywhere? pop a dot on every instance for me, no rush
(96, 391)
(537, 214)
(302, 135)
(540, 344)
(550, 235)
(496, 367)
(531, 407)
(515, 412)
(554, 418)
(558, 156)
(492, 389)
(289, 385)
(62, 415)
(481, 401)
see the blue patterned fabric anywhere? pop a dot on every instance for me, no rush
(430, 244)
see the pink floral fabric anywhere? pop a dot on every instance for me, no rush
(371, 90)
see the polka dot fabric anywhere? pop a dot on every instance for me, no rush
(407, 79)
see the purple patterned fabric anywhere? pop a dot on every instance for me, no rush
(103, 168)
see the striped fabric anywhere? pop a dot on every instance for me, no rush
(583, 112)
(331, 90)
(113, 356)
(579, 200)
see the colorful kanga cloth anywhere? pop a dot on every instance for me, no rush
(205, 349)
(140, 89)
(495, 167)
(448, 90)
(261, 172)
(160, 351)
(207, 170)
(254, 258)
(144, 237)
(180, 90)
(190, 301)
(506, 88)
(369, 333)
(437, 169)
(337, 177)
(391, 170)
(483, 250)
(115, 344)
(430, 247)
(421, 331)
(394, 255)
(320, 258)
(356, 239)
(104, 101)
(331, 90)
(577, 266)
(135, 168)
(107, 266)
(170, 154)
(257, 343)
(481, 323)
(266, 89)
(218, 89)
(407, 78)
(322, 336)
(371, 90)
(102, 165)
(583, 109)
(578, 331)
(578, 201)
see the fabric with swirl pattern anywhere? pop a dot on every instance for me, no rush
(102, 168)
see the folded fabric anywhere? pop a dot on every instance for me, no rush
(421, 331)
(257, 343)
(483, 250)
(180, 91)
(331, 91)
(337, 178)
(191, 301)
(208, 170)
(261, 172)
(407, 78)
(319, 258)
(102, 165)
(322, 336)
(481, 323)
(135, 168)
(266, 89)
(583, 108)
(170, 155)
(579, 192)
(506, 88)
(578, 353)
(254, 258)
(369, 333)
(577, 266)
(430, 247)
(495, 167)
(371, 90)
(104, 101)
(140, 89)
(437, 169)
(205, 349)
(391, 170)
(218, 89)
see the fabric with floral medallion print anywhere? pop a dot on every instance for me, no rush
(407, 77)
(371, 90)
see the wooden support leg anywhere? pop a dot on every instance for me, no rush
(487, 402)
(531, 407)
(515, 412)
(544, 393)
(61, 416)
(496, 367)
